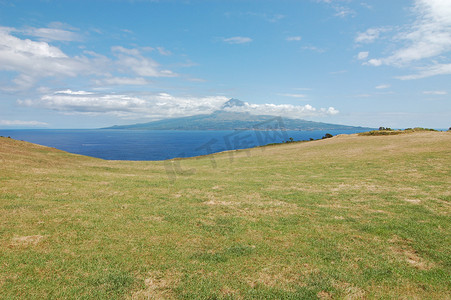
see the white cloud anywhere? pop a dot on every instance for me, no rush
(35, 60)
(159, 106)
(314, 48)
(128, 31)
(374, 62)
(438, 93)
(120, 49)
(434, 70)
(293, 38)
(164, 51)
(369, 36)
(362, 55)
(285, 110)
(132, 59)
(55, 31)
(426, 41)
(22, 123)
(70, 92)
(382, 86)
(431, 34)
(366, 5)
(10, 43)
(237, 40)
(121, 81)
(152, 106)
(342, 11)
(53, 34)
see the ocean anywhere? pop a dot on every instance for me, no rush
(157, 144)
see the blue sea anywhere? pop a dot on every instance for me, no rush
(157, 144)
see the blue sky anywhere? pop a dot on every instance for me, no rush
(89, 64)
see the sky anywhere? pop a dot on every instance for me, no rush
(91, 64)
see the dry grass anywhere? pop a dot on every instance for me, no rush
(346, 217)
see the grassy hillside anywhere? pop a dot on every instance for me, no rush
(346, 217)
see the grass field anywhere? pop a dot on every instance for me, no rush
(347, 217)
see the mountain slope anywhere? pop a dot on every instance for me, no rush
(225, 119)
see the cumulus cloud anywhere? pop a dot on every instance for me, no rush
(160, 106)
(35, 60)
(237, 40)
(152, 106)
(374, 62)
(37, 49)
